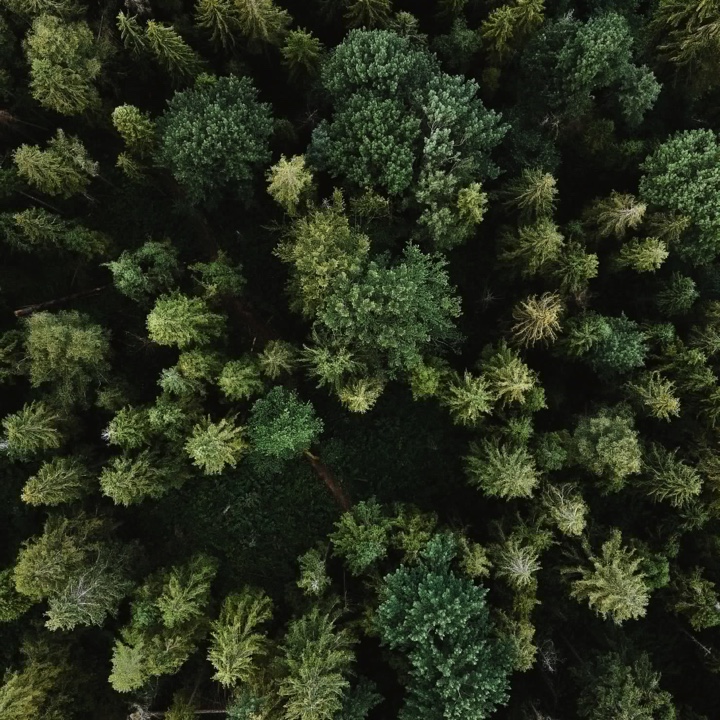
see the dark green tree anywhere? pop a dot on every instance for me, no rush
(214, 137)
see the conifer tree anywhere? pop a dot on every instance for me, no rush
(129, 480)
(615, 586)
(236, 643)
(67, 351)
(362, 536)
(618, 214)
(220, 18)
(456, 668)
(534, 193)
(171, 51)
(213, 446)
(658, 395)
(181, 320)
(537, 319)
(263, 21)
(669, 478)
(241, 379)
(136, 128)
(63, 169)
(533, 247)
(64, 63)
(214, 136)
(695, 597)
(317, 660)
(468, 398)
(302, 53)
(499, 469)
(289, 182)
(646, 255)
(57, 481)
(32, 429)
(147, 271)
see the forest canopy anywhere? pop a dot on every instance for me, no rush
(359, 359)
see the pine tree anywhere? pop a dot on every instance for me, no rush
(289, 182)
(367, 13)
(566, 508)
(502, 470)
(534, 193)
(537, 319)
(456, 667)
(57, 481)
(220, 18)
(219, 279)
(181, 320)
(361, 394)
(696, 598)
(64, 63)
(618, 214)
(236, 643)
(302, 53)
(147, 271)
(362, 536)
(32, 429)
(136, 128)
(657, 395)
(214, 136)
(517, 562)
(646, 255)
(468, 398)
(677, 295)
(241, 379)
(317, 659)
(669, 478)
(67, 351)
(63, 169)
(534, 247)
(129, 480)
(263, 21)
(277, 358)
(615, 586)
(213, 446)
(171, 51)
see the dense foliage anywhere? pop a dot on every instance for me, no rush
(359, 359)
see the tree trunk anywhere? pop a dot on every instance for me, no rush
(30, 309)
(326, 475)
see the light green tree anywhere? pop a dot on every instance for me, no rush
(129, 480)
(657, 395)
(64, 63)
(63, 169)
(181, 320)
(566, 508)
(30, 430)
(57, 481)
(213, 446)
(618, 214)
(171, 51)
(317, 657)
(608, 446)
(615, 584)
(695, 597)
(289, 182)
(501, 470)
(534, 194)
(669, 478)
(468, 398)
(533, 247)
(68, 352)
(136, 128)
(237, 643)
(537, 319)
(241, 379)
(302, 53)
(643, 255)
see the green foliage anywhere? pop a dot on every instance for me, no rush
(12, 604)
(236, 642)
(277, 358)
(323, 249)
(147, 271)
(566, 508)
(507, 25)
(509, 378)
(646, 255)
(314, 580)
(534, 194)
(67, 350)
(181, 320)
(240, 379)
(63, 169)
(696, 598)
(37, 230)
(317, 659)
(456, 668)
(136, 128)
(681, 176)
(171, 51)
(677, 295)
(281, 426)
(607, 445)
(64, 62)
(393, 314)
(289, 182)
(219, 279)
(128, 480)
(618, 214)
(616, 689)
(534, 247)
(214, 136)
(302, 53)
(537, 319)
(30, 430)
(615, 586)
(213, 446)
(670, 479)
(74, 566)
(657, 395)
(468, 398)
(362, 536)
(57, 481)
(499, 469)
